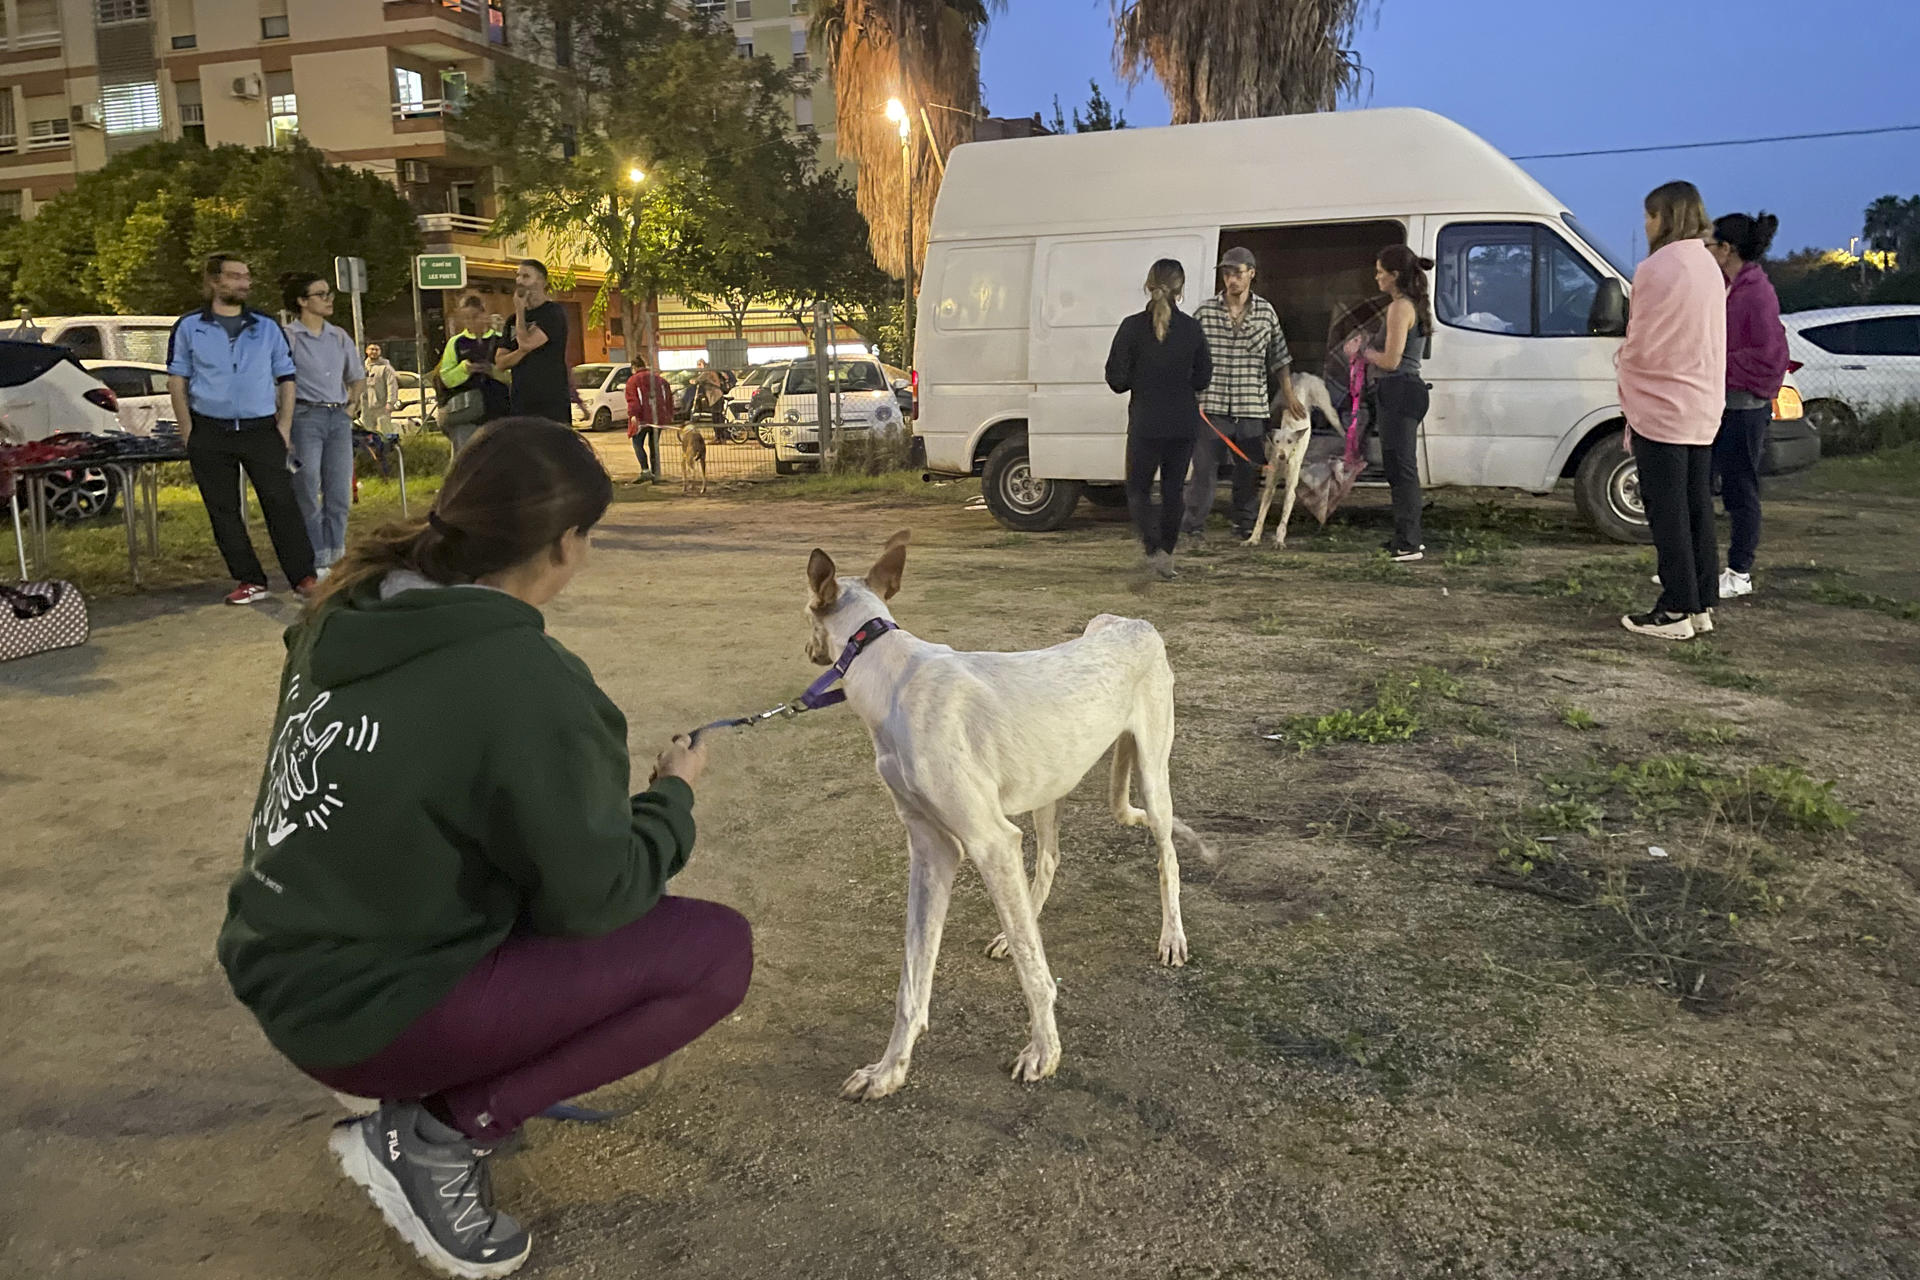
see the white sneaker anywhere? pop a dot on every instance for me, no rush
(1662, 626)
(1656, 581)
(1702, 622)
(1734, 585)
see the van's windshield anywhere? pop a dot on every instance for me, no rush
(1598, 245)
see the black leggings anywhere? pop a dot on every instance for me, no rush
(1676, 486)
(1169, 459)
(1402, 401)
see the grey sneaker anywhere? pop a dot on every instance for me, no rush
(1161, 563)
(436, 1192)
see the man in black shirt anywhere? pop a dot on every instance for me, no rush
(537, 354)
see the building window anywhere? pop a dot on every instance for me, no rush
(48, 135)
(13, 203)
(743, 8)
(803, 110)
(569, 142)
(108, 12)
(462, 199)
(799, 7)
(709, 10)
(743, 47)
(186, 42)
(283, 120)
(274, 28)
(130, 108)
(496, 22)
(9, 130)
(453, 91)
(562, 42)
(409, 92)
(36, 22)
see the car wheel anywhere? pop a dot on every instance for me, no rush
(1021, 500)
(1606, 491)
(763, 428)
(1108, 496)
(602, 419)
(1839, 427)
(73, 496)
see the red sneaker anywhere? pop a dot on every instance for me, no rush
(306, 586)
(247, 593)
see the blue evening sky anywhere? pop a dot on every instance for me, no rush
(1556, 75)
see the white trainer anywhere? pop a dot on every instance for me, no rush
(1733, 585)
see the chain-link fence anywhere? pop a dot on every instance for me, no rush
(1858, 371)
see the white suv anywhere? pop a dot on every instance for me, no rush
(1852, 362)
(43, 392)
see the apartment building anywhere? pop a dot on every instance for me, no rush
(369, 82)
(779, 29)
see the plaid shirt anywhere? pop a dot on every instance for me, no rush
(1244, 356)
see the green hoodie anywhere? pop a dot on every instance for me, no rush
(442, 774)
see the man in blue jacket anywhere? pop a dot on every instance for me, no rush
(230, 375)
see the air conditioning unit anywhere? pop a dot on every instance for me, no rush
(85, 115)
(415, 171)
(248, 87)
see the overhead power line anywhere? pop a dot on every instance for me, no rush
(1729, 142)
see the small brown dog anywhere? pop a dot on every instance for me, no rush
(693, 453)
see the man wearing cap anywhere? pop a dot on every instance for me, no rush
(1249, 355)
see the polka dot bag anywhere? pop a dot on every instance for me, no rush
(36, 617)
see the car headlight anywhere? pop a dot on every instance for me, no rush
(883, 414)
(793, 415)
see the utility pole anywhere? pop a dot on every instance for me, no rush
(823, 380)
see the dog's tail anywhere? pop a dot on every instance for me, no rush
(1186, 841)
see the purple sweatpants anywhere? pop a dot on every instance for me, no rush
(544, 1019)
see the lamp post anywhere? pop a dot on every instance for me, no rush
(897, 112)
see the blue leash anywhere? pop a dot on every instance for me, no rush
(821, 692)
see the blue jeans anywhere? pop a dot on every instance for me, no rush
(323, 443)
(1737, 451)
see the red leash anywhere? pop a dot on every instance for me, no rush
(1223, 440)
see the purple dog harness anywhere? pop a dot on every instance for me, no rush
(821, 692)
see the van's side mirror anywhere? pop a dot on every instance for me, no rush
(1608, 318)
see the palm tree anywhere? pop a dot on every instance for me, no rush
(1893, 225)
(926, 53)
(1232, 59)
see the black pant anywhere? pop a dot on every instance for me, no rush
(1676, 486)
(1736, 464)
(642, 440)
(1402, 401)
(217, 453)
(1147, 457)
(1249, 437)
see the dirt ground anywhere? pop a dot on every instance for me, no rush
(1446, 1016)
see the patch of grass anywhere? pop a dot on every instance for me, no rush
(1713, 666)
(871, 453)
(1832, 593)
(896, 486)
(1354, 820)
(1707, 732)
(1521, 854)
(1393, 717)
(93, 554)
(1573, 814)
(1577, 717)
(1765, 794)
(1010, 540)
(1889, 471)
(1617, 584)
(1270, 624)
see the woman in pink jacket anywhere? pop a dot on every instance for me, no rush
(1673, 387)
(1756, 367)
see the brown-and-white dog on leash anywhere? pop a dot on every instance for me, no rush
(966, 742)
(1287, 452)
(693, 453)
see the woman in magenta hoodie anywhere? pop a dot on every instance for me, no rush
(1673, 388)
(1756, 367)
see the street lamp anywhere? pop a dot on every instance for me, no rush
(636, 175)
(897, 112)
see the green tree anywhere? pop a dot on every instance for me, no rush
(824, 255)
(649, 93)
(1234, 59)
(130, 236)
(1100, 114)
(1892, 225)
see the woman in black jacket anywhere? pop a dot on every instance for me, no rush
(1161, 357)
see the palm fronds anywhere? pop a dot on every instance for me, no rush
(1234, 59)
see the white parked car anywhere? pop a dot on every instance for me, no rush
(1039, 247)
(138, 338)
(140, 390)
(603, 392)
(1852, 362)
(43, 392)
(864, 399)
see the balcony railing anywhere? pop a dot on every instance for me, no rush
(475, 7)
(55, 142)
(424, 109)
(31, 40)
(9, 143)
(444, 223)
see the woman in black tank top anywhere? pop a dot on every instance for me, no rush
(1398, 390)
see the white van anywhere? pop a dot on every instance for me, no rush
(140, 338)
(1039, 247)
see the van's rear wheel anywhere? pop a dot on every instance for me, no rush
(1606, 491)
(1021, 500)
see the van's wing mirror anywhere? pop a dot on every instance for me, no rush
(1608, 318)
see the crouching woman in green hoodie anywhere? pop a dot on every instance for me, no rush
(450, 901)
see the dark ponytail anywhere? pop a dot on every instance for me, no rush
(514, 490)
(294, 286)
(1409, 272)
(1749, 235)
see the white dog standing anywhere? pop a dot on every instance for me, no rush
(1287, 452)
(967, 741)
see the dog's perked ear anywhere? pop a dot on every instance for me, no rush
(884, 577)
(826, 588)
